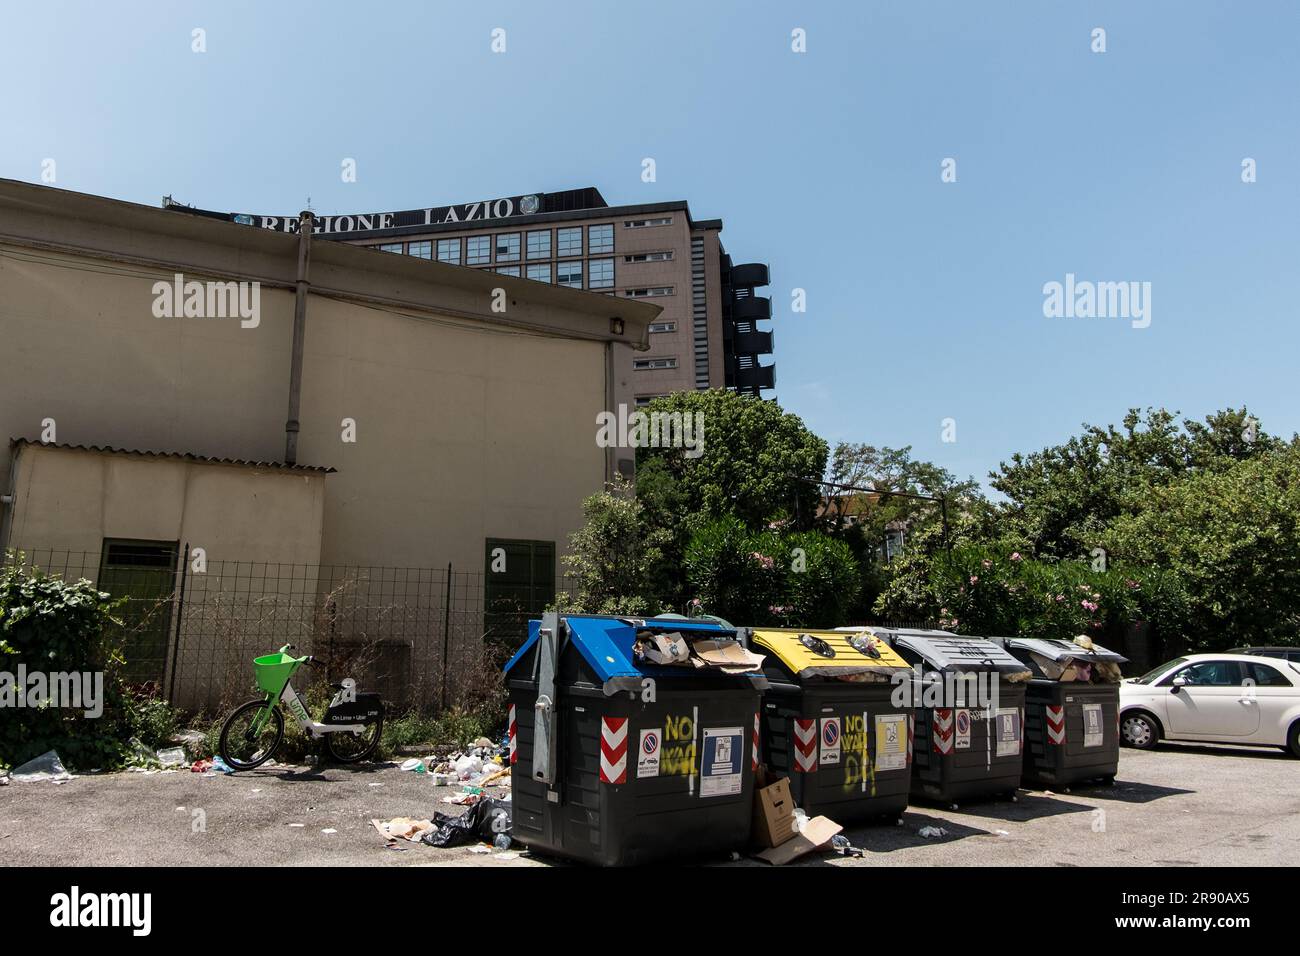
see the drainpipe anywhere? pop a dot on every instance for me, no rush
(299, 332)
(611, 374)
(9, 500)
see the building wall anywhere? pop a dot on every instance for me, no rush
(464, 431)
(628, 241)
(69, 499)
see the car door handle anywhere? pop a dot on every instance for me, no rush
(1245, 700)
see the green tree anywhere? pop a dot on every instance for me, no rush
(612, 554)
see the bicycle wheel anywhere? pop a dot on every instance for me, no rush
(349, 747)
(241, 749)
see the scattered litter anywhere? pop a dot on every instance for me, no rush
(484, 820)
(220, 766)
(1002, 832)
(47, 766)
(172, 757)
(463, 799)
(415, 764)
(256, 790)
(482, 743)
(403, 828)
(376, 785)
(480, 848)
(505, 856)
(201, 766)
(299, 825)
(932, 833)
(329, 830)
(841, 845)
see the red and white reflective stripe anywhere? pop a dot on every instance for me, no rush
(613, 750)
(753, 762)
(514, 730)
(805, 745)
(942, 725)
(911, 735)
(1055, 725)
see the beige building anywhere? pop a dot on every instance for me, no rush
(708, 335)
(446, 413)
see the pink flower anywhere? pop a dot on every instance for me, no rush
(987, 563)
(763, 559)
(1015, 556)
(974, 578)
(1088, 605)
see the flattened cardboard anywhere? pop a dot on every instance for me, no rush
(817, 832)
(773, 814)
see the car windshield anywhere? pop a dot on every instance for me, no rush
(1149, 676)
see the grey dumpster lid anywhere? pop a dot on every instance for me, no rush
(1058, 650)
(952, 652)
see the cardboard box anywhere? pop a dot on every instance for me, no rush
(773, 813)
(816, 833)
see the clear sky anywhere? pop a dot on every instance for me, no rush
(924, 298)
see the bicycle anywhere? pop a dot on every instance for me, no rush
(351, 728)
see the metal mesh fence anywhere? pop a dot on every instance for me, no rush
(425, 638)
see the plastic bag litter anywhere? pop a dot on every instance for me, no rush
(47, 766)
(481, 823)
(932, 833)
(468, 766)
(172, 757)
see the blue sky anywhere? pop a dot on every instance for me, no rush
(924, 298)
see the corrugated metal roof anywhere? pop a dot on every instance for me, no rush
(176, 455)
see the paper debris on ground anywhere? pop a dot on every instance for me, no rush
(932, 833)
(815, 835)
(403, 828)
(47, 766)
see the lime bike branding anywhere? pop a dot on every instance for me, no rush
(350, 729)
(76, 909)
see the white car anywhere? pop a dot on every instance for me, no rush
(1224, 698)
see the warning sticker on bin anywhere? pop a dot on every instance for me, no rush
(830, 740)
(891, 742)
(1008, 731)
(647, 755)
(963, 730)
(720, 770)
(1093, 735)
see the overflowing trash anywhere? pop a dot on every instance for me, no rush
(932, 833)
(702, 650)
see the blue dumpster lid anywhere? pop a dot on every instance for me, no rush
(606, 643)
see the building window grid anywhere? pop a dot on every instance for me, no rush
(650, 364)
(569, 274)
(600, 238)
(539, 244)
(421, 250)
(507, 247)
(540, 272)
(478, 250)
(699, 314)
(600, 274)
(568, 242)
(449, 251)
(390, 247)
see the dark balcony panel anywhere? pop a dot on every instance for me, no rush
(749, 274)
(760, 376)
(752, 343)
(753, 308)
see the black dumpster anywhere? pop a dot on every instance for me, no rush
(829, 723)
(616, 760)
(969, 696)
(1071, 711)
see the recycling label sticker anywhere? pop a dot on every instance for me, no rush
(647, 755)
(891, 742)
(1093, 735)
(1008, 731)
(723, 762)
(830, 736)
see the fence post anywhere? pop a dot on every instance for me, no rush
(180, 614)
(446, 633)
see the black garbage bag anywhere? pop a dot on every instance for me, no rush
(482, 823)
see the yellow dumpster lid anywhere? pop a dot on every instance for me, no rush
(829, 653)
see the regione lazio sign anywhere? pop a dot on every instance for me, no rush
(361, 224)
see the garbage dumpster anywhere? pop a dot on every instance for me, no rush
(829, 724)
(969, 697)
(1071, 710)
(616, 759)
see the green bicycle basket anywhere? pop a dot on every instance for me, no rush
(273, 671)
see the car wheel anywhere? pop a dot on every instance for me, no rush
(1139, 730)
(1293, 740)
